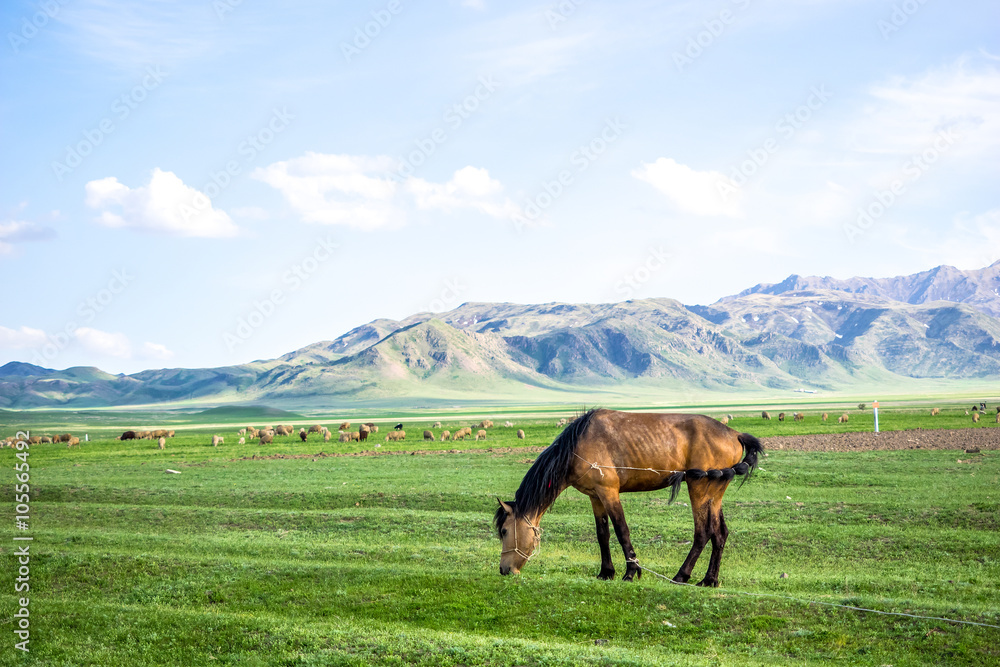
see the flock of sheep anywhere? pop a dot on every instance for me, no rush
(266, 434)
(70, 440)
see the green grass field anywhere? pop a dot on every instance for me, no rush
(392, 560)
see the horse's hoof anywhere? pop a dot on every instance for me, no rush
(606, 575)
(680, 579)
(708, 584)
(628, 576)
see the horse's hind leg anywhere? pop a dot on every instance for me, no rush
(700, 492)
(718, 531)
(701, 537)
(719, 536)
(603, 539)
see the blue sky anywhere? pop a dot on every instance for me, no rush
(207, 183)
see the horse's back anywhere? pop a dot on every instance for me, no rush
(662, 441)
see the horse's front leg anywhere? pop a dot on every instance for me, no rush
(613, 506)
(603, 539)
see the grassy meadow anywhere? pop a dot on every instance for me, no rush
(391, 559)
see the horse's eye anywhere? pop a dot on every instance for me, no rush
(503, 533)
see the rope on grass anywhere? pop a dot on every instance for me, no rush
(828, 604)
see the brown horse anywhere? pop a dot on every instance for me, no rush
(604, 453)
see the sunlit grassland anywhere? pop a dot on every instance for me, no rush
(391, 559)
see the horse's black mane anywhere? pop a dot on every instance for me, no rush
(544, 480)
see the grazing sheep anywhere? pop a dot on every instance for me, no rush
(395, 436)
(520, 434)
(242, 431)
(765, 415)
(998, 418)
(344, 426)
(841, 419)
(372, 427)
(781, 416)
(398, 427)
(436, 425)
(284, 429)
(975, 408)
(326, 436)
(253, 432)
(508, 424)
(344, 437)
(364, 428)
(73, 442)
(975, 417)
(935, 412)
(825, 416)
(486, 423)
(361, 435)
(315, 428)
(266, 439)
(428, 435)
(302, 434)
(243, 441)
(162, 442)
(217, 440)
(65, 437)
(446, 435)
(845, 417)
(460, 433)
(798, 416)
(127, 435)
(34, 440)
(724, 419)
(480, 434)
(170, 433)
(46, 439)
(563, 422)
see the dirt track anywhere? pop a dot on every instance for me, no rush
(961, 439)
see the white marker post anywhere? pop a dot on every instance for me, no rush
(875, 410)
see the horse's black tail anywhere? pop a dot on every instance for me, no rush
(751, 450)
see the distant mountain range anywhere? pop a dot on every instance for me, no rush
(805, 333)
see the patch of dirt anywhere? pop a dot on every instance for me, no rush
(959, 438)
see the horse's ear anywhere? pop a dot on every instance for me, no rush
(505, 506)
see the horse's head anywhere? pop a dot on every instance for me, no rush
(519, 538)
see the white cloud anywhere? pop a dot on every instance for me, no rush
(692, 191)
(470, 187)
(25, 337)
(155, 351)
(353, 190)
(20, 231)
(358, 191)
(905, 113)
(166, 205)
(104, 343)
